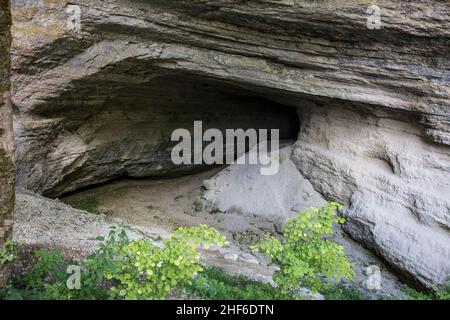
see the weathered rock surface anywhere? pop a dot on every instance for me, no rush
(374, 104)
(396, 185)
(6, 129)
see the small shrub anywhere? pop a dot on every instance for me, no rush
(124, 269)
(48, 277)
(342, 292)
(48, 269)
(8, 252)
(413, 294)
(11, 293)
(215, 284)
(304, 254)
(440, 293)
(444, 292)
(145, 271)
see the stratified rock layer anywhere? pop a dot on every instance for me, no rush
(374, 104)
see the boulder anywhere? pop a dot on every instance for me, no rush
(242, 189)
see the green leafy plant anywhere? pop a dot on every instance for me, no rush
(215, 284)
(145, 271)
(124, 269)
(49, 274)
(8, 252)
(439, 293)
(413, 294)
(48, 269)
(444, 293)
(342, 292)
(305, 254)
(11, 293)
(48, 277)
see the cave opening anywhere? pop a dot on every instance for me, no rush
(112, 128)
(127, 171)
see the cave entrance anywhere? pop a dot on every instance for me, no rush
(129, 138)
(154, 110)
(121, 128)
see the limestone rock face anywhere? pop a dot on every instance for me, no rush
(99, 101)
(396, 185)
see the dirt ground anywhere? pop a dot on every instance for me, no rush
(166, 204)
(163, 205)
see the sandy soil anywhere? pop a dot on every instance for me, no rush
(165, 204)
